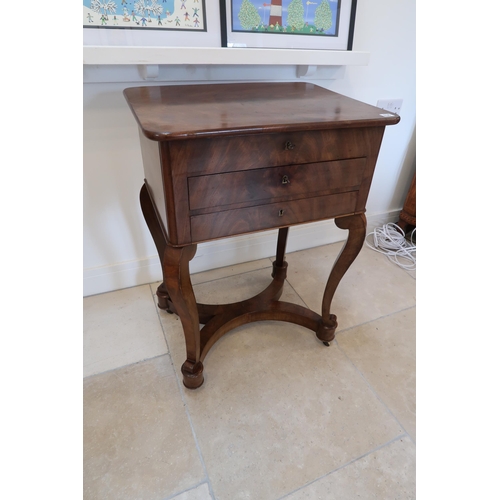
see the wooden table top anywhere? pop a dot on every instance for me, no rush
(190, 111)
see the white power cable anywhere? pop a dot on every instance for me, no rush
(390, 240)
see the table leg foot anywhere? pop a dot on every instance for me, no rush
(192, 374)
(164, 301)
(326, 330)
(279, 272)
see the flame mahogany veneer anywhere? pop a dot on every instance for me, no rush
(229, 159)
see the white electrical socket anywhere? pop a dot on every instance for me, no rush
(392, 105)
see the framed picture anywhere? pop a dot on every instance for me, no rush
(168, 23)
(298, 24)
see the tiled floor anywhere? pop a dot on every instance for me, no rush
(279, 415)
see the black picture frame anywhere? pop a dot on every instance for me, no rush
(284, 35)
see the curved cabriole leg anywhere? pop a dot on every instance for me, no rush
(177, 280)
(159, 237)
(356, 225)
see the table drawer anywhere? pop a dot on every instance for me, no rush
(245, 220)
(247, 152)
(216, 190)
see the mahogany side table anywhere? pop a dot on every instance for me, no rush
(228, 159)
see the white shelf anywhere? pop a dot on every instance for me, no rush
(106, 55)
(101, 63)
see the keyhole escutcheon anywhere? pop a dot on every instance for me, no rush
(281, 212)
(285, 180)
(289, 145)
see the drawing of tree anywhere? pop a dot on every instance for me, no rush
(323, 16)
(143, 8)
(104, 7)
(140, 7)
(295, 17)
(249, 15)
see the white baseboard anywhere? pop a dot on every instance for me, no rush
(221, 253)
(378, 220)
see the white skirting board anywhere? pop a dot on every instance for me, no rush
(221, 253)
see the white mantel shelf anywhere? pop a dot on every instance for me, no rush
(109, 55)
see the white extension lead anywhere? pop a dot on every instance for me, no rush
(390, 240)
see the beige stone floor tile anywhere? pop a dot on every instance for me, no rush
(387, 473)
(200, 493)
(278, 409)
(412, 273)
(372, 287)
(225, 272)
(138, 443)
(240, 287)
(120, 328)
(244, 284)
(281, 407)
(384, 352)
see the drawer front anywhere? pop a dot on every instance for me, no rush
(246, 220)
(247, 152)
(217, 190)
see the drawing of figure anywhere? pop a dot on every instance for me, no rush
(159, 21)
(124, 2)
(186, 17)
(103, 20)
(134, 19)
(183, 4)
(177, 21)
(115, 21)
(89, 18)
(195, 14)
(143, 21)
(125, 15)
(196, 23)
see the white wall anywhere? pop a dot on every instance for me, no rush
(118, 250)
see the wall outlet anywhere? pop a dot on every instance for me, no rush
(392, 105)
